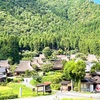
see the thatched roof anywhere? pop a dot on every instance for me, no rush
(62, 57)
(35, 62)
(40, 58)
(91, 58)
(24, 66)
(4, 63)
(57, 64)
(65, 82)
(87, 81)
(96, 73)
(96, 79)
(88, 66)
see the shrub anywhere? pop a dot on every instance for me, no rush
(3, 83)
(9, 80)
(18, 80)
(11, 96)
(75, 88)
(55, 86)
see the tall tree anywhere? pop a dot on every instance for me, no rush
(14, 48)
(75, 71)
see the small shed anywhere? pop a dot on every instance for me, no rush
(44, 87)
(65, 86)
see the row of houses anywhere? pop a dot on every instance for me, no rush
(90, 83)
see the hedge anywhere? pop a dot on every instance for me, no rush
(11, 96)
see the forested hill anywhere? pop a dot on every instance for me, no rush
(50, 16)
(65, 24)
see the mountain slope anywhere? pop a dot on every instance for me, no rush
(35, 16)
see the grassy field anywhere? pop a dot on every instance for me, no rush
(13, 88)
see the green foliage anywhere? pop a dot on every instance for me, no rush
(17, 80)
(36, 76)
(76, 89)
(75, 71)
(13, 88)
(95, 67)
(9, 80)
(28, 73)
(47, 51)
(47, 67)
(55, 86)
(11, 96)
(35, 67)
(33, 25)
(3, 83)
(34, 82)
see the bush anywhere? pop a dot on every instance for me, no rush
(75, 88)
(18, 80)
(3, 83)
(9, 80)
(55, 86)
(11, 96)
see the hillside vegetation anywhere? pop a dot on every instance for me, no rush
(59, 24)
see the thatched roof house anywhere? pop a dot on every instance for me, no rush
(62, 57)
(40, 59)
(57, 64)
(35, 62)
(97, 79)
(88, 66)
(91, 58)
(4, 63)
(23, 66)
(3, 74)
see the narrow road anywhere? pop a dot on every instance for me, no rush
(59, 95)
(27, 82)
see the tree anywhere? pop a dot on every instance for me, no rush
(95, 67)
(5, 52)
(47, 51)
(47, 67)
(75, 71)
(35, 67)
(14, 48)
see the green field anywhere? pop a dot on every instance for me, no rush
(13, 88)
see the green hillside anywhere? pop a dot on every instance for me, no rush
(65, 24)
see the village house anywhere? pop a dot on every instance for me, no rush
(23, 67)
(3, 74)
(35, 62)
(4, 63)
(57, 64)
(40, 59)
(62, 57)
(65, 86)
